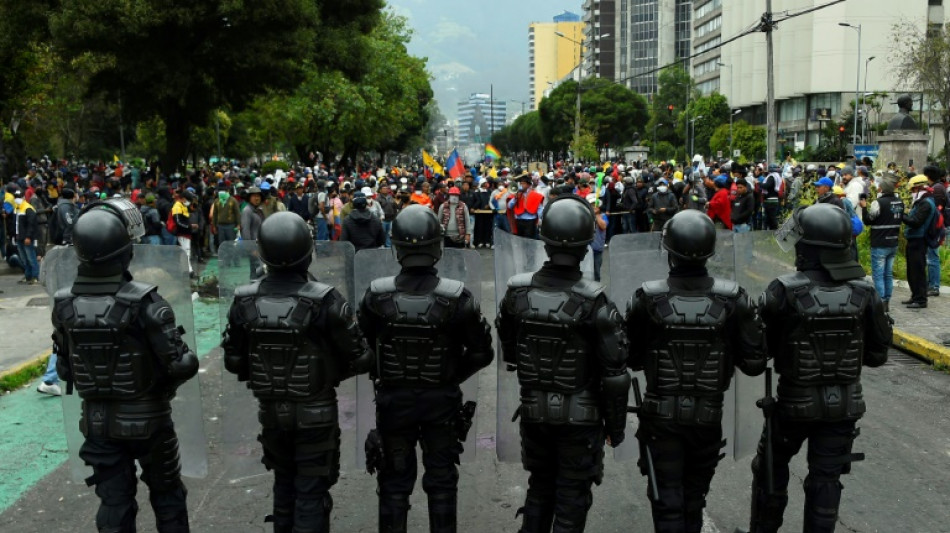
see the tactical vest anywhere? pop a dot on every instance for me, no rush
(285, 362)
(820, 362)
(886, 228)
(415, 348)
(690, 365)
(107, 354)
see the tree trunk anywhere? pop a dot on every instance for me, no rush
(946, 139)
(176, 140)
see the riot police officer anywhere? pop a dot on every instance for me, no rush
(823, 323)
(430, 336)
(565, 339)
(688, 333)
(293, 339)
(119, 347)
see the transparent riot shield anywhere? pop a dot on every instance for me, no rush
(636, 259)
(167, 268)
(458, 264)
(515, 255)
(760, 258)
(239, 265)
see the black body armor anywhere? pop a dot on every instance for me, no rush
(553, 352)
(821, 357)
(415, 348)
(689, 365)
(292, 375)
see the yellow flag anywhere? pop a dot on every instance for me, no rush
(115, 158)
(493, 172)
(428, 161)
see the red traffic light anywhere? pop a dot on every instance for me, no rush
(841, 129)
(670, 107)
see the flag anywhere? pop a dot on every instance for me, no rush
(492, 153)
(428, 161)
(115, 158)
(455, 166)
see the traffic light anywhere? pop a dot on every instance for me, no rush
(840, 129)
(670, 108)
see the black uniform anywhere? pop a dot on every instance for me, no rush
(429, 336)
(823, 324)
(565, 339)
(691, 332)
(117, 343)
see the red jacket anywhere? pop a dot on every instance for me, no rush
(720, 208)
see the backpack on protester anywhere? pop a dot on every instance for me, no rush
(937, 230)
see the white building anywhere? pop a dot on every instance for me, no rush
(815, 59)
(479, 117)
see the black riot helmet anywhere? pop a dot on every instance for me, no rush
(102, 243)
(826, 241)
(285, 243)
(417, 237)
(689, 237)
(567, 228)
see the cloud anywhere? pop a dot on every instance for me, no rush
(447, 30)
(451, 71)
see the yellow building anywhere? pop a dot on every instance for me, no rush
(552, 57)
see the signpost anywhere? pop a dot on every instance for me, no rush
(867, 150)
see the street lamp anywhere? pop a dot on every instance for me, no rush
(580, 78)
(655, 126)
(864, 96)
(857, 83)
(692, 144)
(731, 115)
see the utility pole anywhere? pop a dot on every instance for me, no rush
(121, 128)
(768, 26)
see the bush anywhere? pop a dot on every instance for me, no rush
(270, 166)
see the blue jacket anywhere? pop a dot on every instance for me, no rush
(920, 217)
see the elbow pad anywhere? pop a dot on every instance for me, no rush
(184, 367)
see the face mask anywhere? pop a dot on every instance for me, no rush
(186, 203)
(18, 201)
(453, 199)
(662, 188)
(501, 187)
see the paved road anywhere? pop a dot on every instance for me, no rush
(24, 319)
(901, 487)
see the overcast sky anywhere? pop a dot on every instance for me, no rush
(474, 44)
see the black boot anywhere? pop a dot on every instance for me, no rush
(442, 513)
(538, 515)
(393, 513)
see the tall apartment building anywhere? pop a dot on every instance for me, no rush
(479, 117)
(706, 38)
(651, 34)
(600, 36)
(552, 57)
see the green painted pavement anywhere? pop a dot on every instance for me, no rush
(32, 441)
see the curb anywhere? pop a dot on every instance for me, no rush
(930, 351)
(22, 366)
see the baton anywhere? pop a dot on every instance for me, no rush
(769, 469)
(651, 472)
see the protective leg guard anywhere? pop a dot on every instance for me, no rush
(442, 512)
(285, 500)
(312, 513)
(538, 515)
(393, 513)
(694, 516)
(171, 511)
(117, 507)
(571, 509)
(822, 498)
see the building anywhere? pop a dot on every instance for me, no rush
(551, 56)
(650, 35)
(706, 38)
(478, 118)
(815, 61)
(600, 36)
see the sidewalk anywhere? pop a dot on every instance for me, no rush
(24, 320)
(922, 332)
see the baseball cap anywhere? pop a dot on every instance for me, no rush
(824, 182)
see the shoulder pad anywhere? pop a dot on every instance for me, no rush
(383, 285)
(588, 289)
(861, 284)
(725, 287)
(314, 290)
(520, 280)
(655, 287)
(251, 289)
(134, 291)
(449, 288)
(794, 280)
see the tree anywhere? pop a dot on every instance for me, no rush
(922, 61)
(750, 140)
(181, 60)
(673, 85)
(610, 111)
(714, 110)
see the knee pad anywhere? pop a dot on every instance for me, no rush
(397, 449)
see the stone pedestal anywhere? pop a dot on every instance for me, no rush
(632, 154)
(901, 147)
